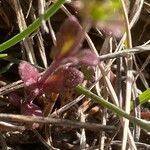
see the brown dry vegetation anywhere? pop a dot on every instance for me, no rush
(16, 15)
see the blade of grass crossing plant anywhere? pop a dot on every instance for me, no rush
(97, 99)
(31, 28)
(129, 76)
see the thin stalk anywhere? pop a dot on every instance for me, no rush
(129, 75)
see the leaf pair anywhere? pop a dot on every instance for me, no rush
(62, 74)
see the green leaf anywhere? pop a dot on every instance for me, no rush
(144, 97)
(3, 55)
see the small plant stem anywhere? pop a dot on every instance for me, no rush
(31, 28)
(129, 76)
(97, 99)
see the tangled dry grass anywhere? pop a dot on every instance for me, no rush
(73, 121)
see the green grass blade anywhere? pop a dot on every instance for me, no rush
(97, 99)
(31, 28)
(3, 55)
(144, 97)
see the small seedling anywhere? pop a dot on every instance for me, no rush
(63, 73)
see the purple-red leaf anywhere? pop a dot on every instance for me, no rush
(28, 73)
(29, 76)
(87, 58)
(30, 109)
(63, 79)
(73, 77)
(54, 83)
(66, 37)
